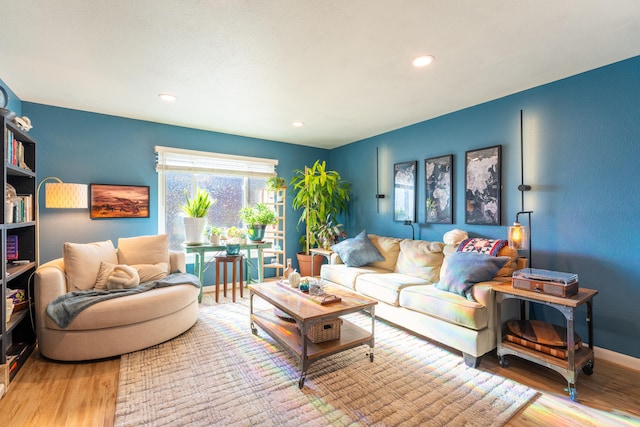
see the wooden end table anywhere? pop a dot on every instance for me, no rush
(577, 359)
(307, 311)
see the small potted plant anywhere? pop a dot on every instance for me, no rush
(234, 234)
(196, 210)
(256, 219)
(276, 183)
(214, 234)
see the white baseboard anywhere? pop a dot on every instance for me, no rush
(617, 358)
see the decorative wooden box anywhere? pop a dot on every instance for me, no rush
(546, 282)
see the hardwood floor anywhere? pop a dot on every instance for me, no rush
(46, 393)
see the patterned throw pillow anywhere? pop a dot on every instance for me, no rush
(357, 251)
(466, 269)
(482, 246)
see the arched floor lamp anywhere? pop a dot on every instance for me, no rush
(59, 195)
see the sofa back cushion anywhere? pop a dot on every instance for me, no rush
(82, 262)
(144, 250)
(389, 248)
(421, 259)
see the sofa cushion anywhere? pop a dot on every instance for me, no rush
(389, 248)
(146, 273)
(346, 276)
(386, 287)
(466, 269)
(445, 305)
(420, 258)
(357, 251)
(82, 262)
(144, 250)
(482, 246)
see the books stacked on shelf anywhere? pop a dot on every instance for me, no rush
(20, 209)
(17, 354)
(15, 151)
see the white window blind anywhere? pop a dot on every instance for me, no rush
(182, 160)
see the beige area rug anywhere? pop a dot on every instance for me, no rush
(219, 373)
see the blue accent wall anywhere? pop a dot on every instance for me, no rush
(581, 147)
(83, 147)
(582, 155)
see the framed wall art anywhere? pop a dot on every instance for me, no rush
(119, 201)
(482, 186)
(404, 191)
(438, 172)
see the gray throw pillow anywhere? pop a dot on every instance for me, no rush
(357, 251)
(465, 269)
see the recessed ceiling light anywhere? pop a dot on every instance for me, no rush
(167, 97)
(297, 124)
(423, 61)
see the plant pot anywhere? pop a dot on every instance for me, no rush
(233, 249)
(256, 233)
(194, 230)
(215, 239)
(304, 262)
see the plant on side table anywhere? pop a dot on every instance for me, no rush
(322, 196)
(196, 209)
(257, 218)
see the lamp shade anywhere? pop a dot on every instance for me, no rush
(517, 235)
(66, 196)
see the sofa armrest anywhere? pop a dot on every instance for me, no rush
(49, 283)
(177, 260)
(335, 259)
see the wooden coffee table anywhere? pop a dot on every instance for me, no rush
(306, 311)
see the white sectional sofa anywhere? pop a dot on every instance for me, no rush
(403, 283)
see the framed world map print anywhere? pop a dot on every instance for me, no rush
(438, 172)
(404, 191)
(482, 186)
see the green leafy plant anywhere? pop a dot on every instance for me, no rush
(214, 231)
(328, 233)
(197, 207)
(260, 214)
(322, 196)
(276, 182)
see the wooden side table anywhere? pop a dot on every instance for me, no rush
(319, 251)
(577, 359)
(233, 260)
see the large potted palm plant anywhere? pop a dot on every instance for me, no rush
(322, 196)
(196, 210)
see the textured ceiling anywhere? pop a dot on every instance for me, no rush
(342, 67)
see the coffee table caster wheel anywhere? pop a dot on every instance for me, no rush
(573, 393)
(588, 368)
(254, 330)
(301, 381)
(503, 362)
(371, 357)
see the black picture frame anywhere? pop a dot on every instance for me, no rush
(118, 201)
(438, 173)
(404, 191)
(483, 184)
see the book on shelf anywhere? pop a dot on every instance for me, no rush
(15, 151)
(19, 209)
(12, 247)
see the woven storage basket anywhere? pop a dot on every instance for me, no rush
(325, 331)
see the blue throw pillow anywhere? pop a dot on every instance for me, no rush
(465, 269)
(357, 251)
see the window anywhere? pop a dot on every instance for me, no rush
(234, 181)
